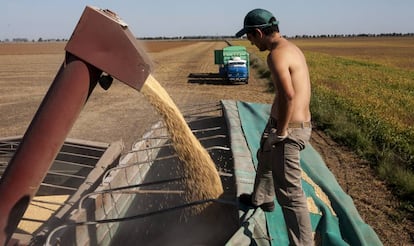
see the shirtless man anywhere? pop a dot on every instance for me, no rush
(288, 129)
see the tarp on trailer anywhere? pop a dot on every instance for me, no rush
(334, 217)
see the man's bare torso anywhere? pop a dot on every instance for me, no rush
(288, 66)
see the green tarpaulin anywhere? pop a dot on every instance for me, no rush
(334, 217)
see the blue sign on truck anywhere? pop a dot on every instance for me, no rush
(233, 63)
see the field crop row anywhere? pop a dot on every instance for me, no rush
(38, 48)
(365, 101)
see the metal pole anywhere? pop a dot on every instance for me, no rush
(43, 140)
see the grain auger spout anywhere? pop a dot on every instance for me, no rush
(102, 39)
(101, 43)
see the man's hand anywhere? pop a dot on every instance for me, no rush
(273, 139)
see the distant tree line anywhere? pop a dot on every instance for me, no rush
(210, 37)
(297, 36)
(356, 35)
(26, 40)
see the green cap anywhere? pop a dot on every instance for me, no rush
(257, 18)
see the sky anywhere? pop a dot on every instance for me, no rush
(56, 19)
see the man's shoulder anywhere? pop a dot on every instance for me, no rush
(282, 52)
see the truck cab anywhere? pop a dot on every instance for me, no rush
(237, 70)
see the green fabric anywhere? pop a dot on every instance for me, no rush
(343, 225)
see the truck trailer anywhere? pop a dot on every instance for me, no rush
(233, 63)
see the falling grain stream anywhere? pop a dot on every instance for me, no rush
(202, 181)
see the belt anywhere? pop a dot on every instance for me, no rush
(306, 124)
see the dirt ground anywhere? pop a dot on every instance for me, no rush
(123, 113)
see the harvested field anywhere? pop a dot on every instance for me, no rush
(158, 46)
(389, 51)
(26, 71)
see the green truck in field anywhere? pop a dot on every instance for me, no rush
(233, 63)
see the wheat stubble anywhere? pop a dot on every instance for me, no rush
(202, 179)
